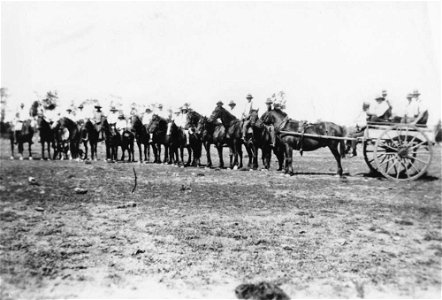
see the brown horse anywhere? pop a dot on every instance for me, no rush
(258, 137)
(233, 134)
(20, 136)
(303, 143)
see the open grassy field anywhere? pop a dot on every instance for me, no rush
(198, 233)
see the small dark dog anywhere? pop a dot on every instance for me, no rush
(260, 291)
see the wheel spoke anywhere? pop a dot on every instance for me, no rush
(415, 158)
(388, 146)
(412, 165)
(417, 145)
(394, 164)
(421, 153)
(405, 167)
(383, 161)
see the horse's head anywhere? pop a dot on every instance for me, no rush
(192, 119)
(155, 123)
(254, 118)
(202, 124)
(268, 117)
(217, 113)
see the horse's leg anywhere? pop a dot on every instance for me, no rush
(49, 149)
(220, 154)
(189, 154)
(288, 159)
(140, 151)
(209, 158)
(240, 153)
(42, 149)
(20, 147)
(12, 140)
(86, 150)
(334, 149)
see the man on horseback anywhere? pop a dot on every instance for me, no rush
(112, 118)
(181, 121)
(80, 114)
(133, 110)
(121, 123)
(161, 113)
(248, 106)
(269, 124)
(20, 117)
(234, 111)
(147, 116)
(97, 121)
(70, 114)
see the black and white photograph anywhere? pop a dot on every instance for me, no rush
(265, 150)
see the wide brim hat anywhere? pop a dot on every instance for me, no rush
(97, 106)
(249, 96)
(160, 105)
(416, 92)
(121, 116)
(80, 106)
(409, 96)
(269, 101)
(384, 92)
(219, 103)
(113, 108)
(232, 103)
(186, 105)
(68, 109)
(148, 109)
(380, 98)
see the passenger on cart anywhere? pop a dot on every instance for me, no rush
(380, 110)
(415, 111)
(360, 124)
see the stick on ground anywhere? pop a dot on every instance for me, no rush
(135, 179)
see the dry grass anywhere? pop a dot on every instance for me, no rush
(316, 235)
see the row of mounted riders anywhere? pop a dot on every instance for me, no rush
(66, 136)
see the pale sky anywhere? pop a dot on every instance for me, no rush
(328, 57)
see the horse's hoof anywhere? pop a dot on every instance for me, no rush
(21, 158)
(30, 158)
(11, 158)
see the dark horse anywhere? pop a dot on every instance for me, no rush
(158, 129)
(126, 143)
(176, 140)
(111, 140)
(89, 134)
(22, 135)
(67, 138)
(142, 137)
(213, 133)
(282, 123)
(46, 136)
(195, 142)
(258, 137)
(233, 134)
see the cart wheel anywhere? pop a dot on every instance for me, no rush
(368, 150)
(403, 153)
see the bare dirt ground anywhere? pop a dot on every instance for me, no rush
(198, 233)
